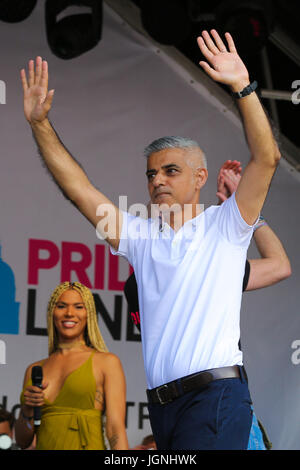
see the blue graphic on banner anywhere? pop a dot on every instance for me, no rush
(9, 308)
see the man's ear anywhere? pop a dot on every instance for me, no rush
(201, 177)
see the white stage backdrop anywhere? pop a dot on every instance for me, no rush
(110, 103)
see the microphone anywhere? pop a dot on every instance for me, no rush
(37, 379)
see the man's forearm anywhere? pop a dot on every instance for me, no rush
(259, 135)
(66, 172)
(75, 185)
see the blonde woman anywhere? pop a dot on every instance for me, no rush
(81, 380)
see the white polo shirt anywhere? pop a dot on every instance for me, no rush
(189, 288)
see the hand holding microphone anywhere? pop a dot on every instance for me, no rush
(34, 395)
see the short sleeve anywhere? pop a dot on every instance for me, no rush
(232, 225)
(135, 231)
(123, 244)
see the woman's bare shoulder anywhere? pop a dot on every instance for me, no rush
(107, 359)
(37, 363)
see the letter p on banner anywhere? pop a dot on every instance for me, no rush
(2, 92)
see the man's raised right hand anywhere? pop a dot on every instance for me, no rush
(37, 98)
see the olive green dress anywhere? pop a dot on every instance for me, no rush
(71, 421)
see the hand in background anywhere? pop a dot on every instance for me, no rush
(228, 179)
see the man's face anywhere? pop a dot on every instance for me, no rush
(171, 180)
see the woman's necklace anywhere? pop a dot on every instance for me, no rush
(75, 344)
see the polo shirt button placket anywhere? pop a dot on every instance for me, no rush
(175, 248)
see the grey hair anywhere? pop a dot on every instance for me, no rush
(173, 142)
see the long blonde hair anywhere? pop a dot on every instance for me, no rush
(93, 337)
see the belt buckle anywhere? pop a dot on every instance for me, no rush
(161, 401)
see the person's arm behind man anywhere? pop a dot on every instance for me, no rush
(225, 66)
(67, 173)
(274, 264)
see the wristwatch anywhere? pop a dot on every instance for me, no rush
(246, 91)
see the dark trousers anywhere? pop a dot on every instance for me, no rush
(217, 417)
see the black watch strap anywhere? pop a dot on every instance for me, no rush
(246, 91)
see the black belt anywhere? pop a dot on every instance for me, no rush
(171, 390)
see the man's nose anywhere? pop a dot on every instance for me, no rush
(158, 180)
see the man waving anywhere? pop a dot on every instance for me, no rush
(189, 299)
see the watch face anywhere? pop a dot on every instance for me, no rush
(5, 441)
